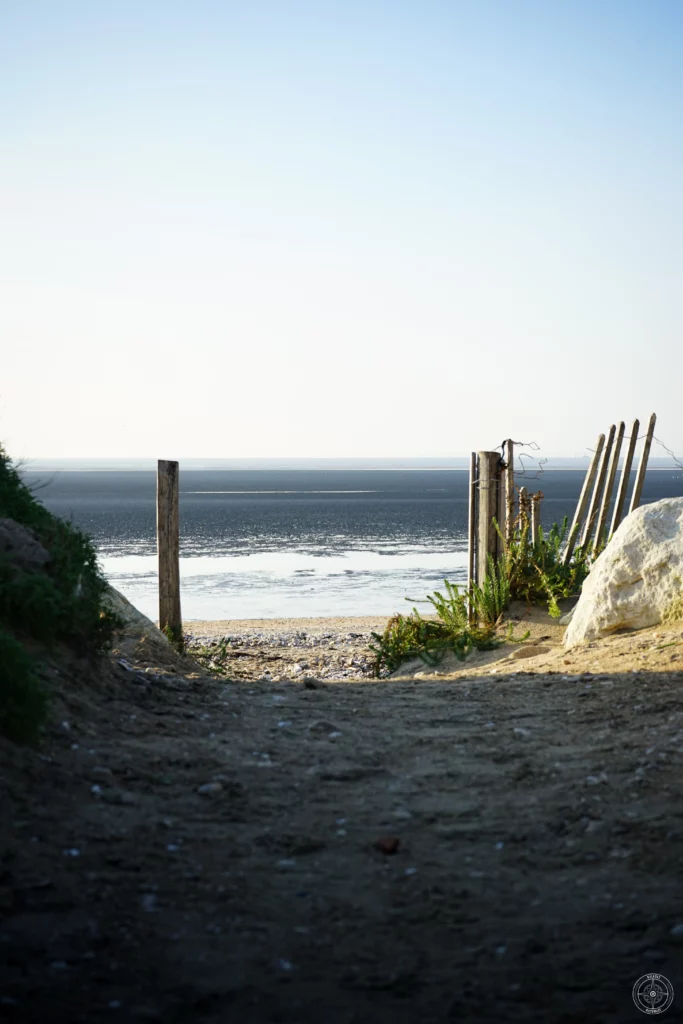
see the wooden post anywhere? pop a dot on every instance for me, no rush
(583, 500)
(524, 511)
(168, 548)
(501, 517)
(640, 476)
(509, 491)
(625, 476)
(607, 496)
(536, 500)
(599, 484)
(472, 526)
(488, 474)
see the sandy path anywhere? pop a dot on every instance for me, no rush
(540, 830)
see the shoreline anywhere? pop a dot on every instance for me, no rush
(317, 625)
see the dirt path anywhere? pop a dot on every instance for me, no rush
(538, 873)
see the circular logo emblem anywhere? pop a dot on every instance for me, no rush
(653, 993)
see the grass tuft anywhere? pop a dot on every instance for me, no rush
(412, 636)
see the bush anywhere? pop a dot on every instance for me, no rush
(412, 636)
(64, 602)
(61, 603)
(535, 570)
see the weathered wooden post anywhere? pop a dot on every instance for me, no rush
(472, 526)
(640, 475)
(509, 491)
(488, 475)
(599, 484)
(501, 515)
(607, 496)
(536, 500)
(168, 549)
(624, 479)
(583, 500)
(524, 512)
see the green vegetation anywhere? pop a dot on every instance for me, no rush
(535, 571)
(529, 571)
(214, 658)
(175, 638)
(60, 602)
(412, 636)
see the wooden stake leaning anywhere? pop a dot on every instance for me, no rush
(583, 500)
(624, 479)
(640, 476)
(599, 484)
(607, 496)
(168, 549)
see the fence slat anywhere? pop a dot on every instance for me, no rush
(640, 476)
(168, 548)
(625, 476)
(472, 525)
(509, 491)
(607, 496)
(501, 515)
(524, 511)
(583, 499)
(599, 484)
(536, 500)
(487, 509)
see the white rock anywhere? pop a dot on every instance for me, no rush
(638, 579)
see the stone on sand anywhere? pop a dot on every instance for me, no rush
(637, 581)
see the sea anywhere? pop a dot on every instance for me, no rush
(294, 542)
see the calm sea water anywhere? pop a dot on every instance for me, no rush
(276, 543)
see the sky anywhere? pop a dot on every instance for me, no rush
(338, 229)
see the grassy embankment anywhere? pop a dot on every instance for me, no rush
(43, 607)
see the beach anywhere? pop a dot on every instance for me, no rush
(338, 648)
(271, 650)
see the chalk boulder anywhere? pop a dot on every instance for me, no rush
(135, 623)
(638, 579)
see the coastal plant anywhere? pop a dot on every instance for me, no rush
(214, 658)
(60, 602)
(530, 570)
(490, 599)
(536, 571)
(412, 636)
(175, 637)
(64, 601)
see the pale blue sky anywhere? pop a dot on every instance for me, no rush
(338, 229)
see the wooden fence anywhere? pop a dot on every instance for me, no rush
(495, 498)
